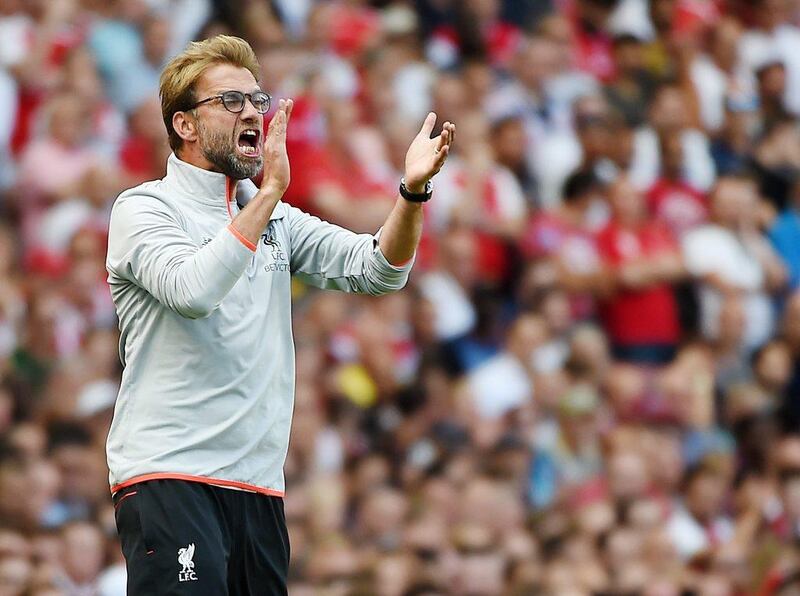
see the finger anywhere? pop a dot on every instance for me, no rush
(452, 133)
(442, 140)
(427, 126)
(277, 127)
(289, 107)
(441, 157)
(273, 123)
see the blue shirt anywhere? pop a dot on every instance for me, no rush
(785, 237)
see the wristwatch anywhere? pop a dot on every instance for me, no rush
(416, 197)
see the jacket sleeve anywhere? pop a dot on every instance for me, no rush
(148, 247)
(330, 257)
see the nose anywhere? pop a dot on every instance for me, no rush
(249, 114)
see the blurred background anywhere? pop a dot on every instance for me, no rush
(590, 386)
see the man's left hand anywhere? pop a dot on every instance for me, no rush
(426, 155)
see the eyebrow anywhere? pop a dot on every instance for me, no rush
(239, 90)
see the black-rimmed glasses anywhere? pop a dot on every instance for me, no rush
(234, 101)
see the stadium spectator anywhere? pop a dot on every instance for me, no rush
(641, 314)
(732, 260)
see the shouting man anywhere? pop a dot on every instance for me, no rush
(202, 289)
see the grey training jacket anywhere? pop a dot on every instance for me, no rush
(205, 320)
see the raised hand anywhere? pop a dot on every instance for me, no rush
(426, 155)
(276, 161)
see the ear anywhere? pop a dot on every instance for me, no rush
(185, 126)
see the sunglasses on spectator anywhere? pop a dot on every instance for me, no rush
(234, 101)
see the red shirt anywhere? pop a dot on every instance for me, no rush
(677, 205)
(550, 235)
(640, 316)
(593, 49)
(501, 39)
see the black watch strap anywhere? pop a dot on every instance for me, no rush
(416, 197)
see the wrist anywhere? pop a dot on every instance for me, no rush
(268, 195)
(415, 186)
(415, 194)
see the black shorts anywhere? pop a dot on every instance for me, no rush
(182, 537)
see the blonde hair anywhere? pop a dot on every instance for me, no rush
(179, 77)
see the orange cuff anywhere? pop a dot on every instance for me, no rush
(403, 264)
(241, 238)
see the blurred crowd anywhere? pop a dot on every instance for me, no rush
(590, 386)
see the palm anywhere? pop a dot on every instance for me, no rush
(426, 155)
(276, 161)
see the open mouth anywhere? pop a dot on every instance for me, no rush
(248, 142)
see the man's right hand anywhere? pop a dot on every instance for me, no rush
(276, 176)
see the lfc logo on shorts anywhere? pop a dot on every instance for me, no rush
(185, 556)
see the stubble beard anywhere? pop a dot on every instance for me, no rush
(221, 152)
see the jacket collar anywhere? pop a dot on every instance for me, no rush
(212, 188)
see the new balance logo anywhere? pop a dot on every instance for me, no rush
(185, 556)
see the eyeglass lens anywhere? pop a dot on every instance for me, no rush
(234, 101)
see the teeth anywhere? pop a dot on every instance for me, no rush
(248, 150)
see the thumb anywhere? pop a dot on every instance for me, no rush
(427, 126)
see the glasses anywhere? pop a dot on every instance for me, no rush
(234, 101)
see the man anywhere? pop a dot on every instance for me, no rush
(733, 261)
(640, 314)
(202, 290)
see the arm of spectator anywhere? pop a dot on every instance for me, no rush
(684, 48)
(664, 268)
(775, 274)
(721, 285)
(599, 282)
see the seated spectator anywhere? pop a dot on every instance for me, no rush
(630, 91)
(358, 201)
(567, 451)
(564, 238)
(729, 257)
(672, 200)
(144, 152)
(640, 315)
(476, 192)
(590, 22)
(731, 148)
(669, 115)
(505, 381)
(476, 23)
(773, 36)
(716, 72)
(699, 523)
(63, 146)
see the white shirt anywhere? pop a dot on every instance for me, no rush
(712, 86)
(499, 385)
(697, 161)
(714, 249)
(454, 311)
(690, 538)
